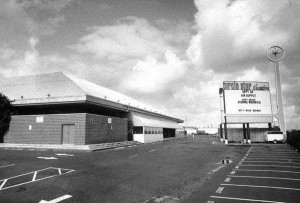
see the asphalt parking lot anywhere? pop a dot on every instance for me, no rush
(168, 171)
(183, 170)
(267, 173)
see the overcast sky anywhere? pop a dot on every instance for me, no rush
(171, 54)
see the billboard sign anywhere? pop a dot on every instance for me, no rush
(247, 98)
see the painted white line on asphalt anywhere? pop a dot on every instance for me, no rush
(132, 156)
(34, 176)
(237, 167)
(271, 165)
(152, 150)
(64, 154)
(260, 186)
(3, 183)
(267, 171)
(264, 156)
(275, 152)
(57, 199)
(47, 158)
(119, 148)
(274, 156)
(35, 180)
(7, 166)
(232, 172)
(262, 177)
(227, 180)
(291, 159)
(216, 169)
(219, 190)
(241, 199)
(274, 162)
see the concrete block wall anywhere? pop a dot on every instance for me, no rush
(102, 129)
(28, 129)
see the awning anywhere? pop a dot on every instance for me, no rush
(152, 121)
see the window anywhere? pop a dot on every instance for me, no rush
(138, 130)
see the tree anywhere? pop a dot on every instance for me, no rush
(6, 110)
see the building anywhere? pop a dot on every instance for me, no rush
(59, 109)
(190, 130)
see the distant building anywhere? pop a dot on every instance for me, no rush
(190, 130)
(62, 109)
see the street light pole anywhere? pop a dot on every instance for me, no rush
(276, 54)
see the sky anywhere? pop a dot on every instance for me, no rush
(170, 54)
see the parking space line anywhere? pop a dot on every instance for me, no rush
(241, 199)
(262, 177)
(289, 160)
(34, 177)
(3, 183)
(273, 162)
(270, 165)
(132, 156)
(273, 157)
(7, 166)
(266, 171)
(259, 186)
(59, 199)
(219, 190)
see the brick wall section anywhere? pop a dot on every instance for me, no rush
(47, 132)
(99, 130)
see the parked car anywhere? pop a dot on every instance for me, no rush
(274, 136)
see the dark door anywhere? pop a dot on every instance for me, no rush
(68, 134)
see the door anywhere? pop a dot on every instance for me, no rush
(68, 133)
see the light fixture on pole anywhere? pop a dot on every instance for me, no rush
(276, 54)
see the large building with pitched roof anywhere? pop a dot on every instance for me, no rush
(56, 108)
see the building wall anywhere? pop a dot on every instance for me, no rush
(102, 129)
(45, 129)
(179, 134)
(149, 134)
(236, 134)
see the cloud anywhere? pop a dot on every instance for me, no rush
(238, 33)
(143, 56)
(23, 19)
(131, 37)
(149, 75)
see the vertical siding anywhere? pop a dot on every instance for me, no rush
(47, 132)
(99, 130)
(236, 134)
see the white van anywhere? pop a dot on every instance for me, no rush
(274, 136)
